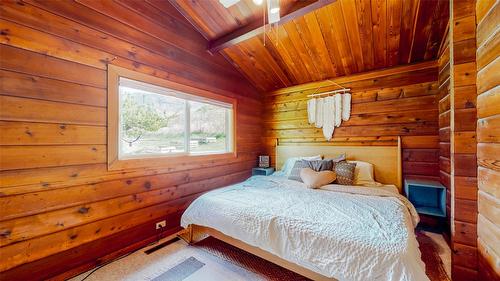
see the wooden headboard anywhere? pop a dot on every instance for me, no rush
(385, 159)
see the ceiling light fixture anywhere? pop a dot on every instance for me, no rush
(258, 2)
(273, 7)
(228, 3)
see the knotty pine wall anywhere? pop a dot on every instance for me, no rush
(399, 101)
(463, 140)
(61, 208)
(488, 138)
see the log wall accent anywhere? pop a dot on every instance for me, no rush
(444, 126)
(463, 167)
(399, 101)
(488, 138)
(60, 205)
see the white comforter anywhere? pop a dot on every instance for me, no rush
(348, 233)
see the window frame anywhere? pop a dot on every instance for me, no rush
(155, 160)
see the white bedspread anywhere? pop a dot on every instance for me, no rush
(348, 233)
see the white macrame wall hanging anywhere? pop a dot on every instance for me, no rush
(328, 110)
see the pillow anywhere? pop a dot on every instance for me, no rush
(315, 179)
(363, 174)
(341, 157)
(310, 158)
(345, 173)
(316, 165)
(290, 162)
(320, 165)
(295, 173)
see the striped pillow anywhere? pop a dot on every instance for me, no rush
(321, 165)
(295, 173)
(341, 157)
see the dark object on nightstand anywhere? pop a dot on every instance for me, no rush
(429, 198)
(262, 171)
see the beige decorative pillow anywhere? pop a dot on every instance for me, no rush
(315, 179)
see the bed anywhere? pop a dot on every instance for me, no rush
(336, 232)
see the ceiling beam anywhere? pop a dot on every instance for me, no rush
(255, 28)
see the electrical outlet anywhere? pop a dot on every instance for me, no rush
(161, 224)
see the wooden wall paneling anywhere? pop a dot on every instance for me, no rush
(465, 256)
(403, 104)
(29, 110)
(36, 87)
(32, 40)
(466, 187)
(488, 207)
(53, 116)
(487, 78)
(487, 51)
(44, 179)
(23, 252)
(35, 64)
(50, 156)
(488, 112)
(420, 141)
(29, 227)
(133, 48)
(486, 258)
(169, 30)
(176, 33)
(463, 138)
(488, 235)
(25, 133)
(419, 72)
(104, 190)
(488, 129)
(465, 233)
(108, 248)
(487, 101)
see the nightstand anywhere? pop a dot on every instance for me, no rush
(428, 197)
(262, 171)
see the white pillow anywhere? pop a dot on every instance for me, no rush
(311, 158)
(363, 173)
(290, 162)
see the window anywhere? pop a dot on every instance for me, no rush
(160, 121)
(149, 119)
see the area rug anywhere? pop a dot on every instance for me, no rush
(214, 260)
(434, 267)
(269, 271)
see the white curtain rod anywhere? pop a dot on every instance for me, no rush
(330, 92)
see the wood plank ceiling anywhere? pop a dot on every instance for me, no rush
(342, 38)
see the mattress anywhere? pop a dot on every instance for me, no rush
(342, 232)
